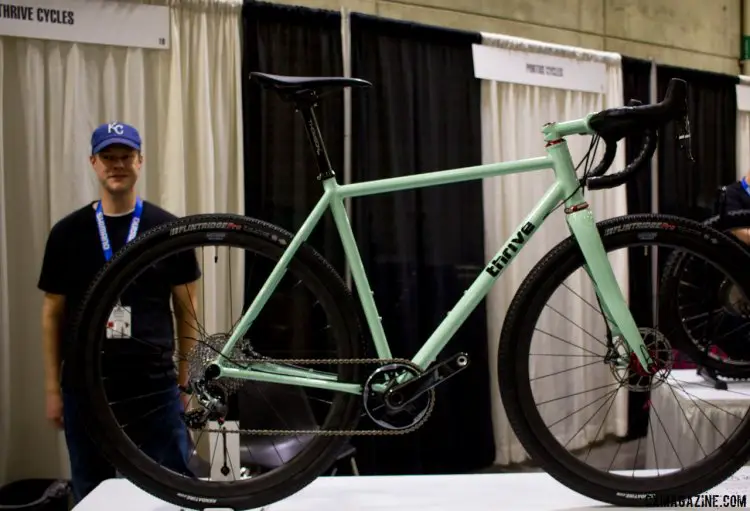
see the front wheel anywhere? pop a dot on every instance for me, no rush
(120, 380)
(558, 314)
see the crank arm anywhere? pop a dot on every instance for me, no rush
(399, 396)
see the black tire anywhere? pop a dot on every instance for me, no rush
(675, 265)
(117, 447)
(513, 364)
(729, 220)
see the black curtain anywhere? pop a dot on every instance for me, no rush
(281, 187)
(422, 248)
(280, 172)
(636, 74)
(689, 188)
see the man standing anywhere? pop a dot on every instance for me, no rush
(77, 247)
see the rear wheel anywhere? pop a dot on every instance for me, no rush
(315, 293)
(610, 375)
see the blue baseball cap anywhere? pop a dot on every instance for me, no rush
(111, 133)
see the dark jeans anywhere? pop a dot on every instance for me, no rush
(162, 433)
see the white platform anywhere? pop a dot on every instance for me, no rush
(482, 492)
(697, 416)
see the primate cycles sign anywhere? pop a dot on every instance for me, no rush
(37, 14)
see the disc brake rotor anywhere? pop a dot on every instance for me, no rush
(634, 377)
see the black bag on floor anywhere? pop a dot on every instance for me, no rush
(35, 495)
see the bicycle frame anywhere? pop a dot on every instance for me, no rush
(579, 218)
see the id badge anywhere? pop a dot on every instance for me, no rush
(119, 324)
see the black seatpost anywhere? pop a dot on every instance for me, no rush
(305, 103)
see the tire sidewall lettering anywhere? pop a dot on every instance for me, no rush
(219, 229)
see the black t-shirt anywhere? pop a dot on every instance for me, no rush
(74, 256)
(736, 198)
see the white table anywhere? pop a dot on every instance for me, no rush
(697, 418)
(480, 492)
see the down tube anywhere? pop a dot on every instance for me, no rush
(484, 281)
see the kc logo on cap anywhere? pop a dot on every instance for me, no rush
(111, 133)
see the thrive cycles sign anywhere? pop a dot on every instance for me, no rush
(107, 22)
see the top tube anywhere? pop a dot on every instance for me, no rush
(562, 129)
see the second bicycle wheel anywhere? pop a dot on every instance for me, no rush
(713, 317)
(576, 427)
(308, 317)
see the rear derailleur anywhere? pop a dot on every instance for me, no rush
(399, 405)
(212, 400)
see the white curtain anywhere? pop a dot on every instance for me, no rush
(186, 101)
(743, 126)
(512, 118)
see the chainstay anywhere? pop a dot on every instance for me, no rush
(332, 432)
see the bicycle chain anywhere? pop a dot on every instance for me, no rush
(335, 432)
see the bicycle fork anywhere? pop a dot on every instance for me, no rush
(613, 303)
(582, 225)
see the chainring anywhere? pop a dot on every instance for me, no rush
(376, 408)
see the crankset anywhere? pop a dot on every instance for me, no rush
(401, 395)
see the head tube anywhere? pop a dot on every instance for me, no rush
(558, 130)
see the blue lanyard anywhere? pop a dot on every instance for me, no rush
(106, 246)
(745, 186)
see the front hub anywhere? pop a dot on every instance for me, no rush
(636, 377)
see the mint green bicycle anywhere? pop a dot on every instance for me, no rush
(396, 395)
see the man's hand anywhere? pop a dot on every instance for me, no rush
(743, 234)
(55, 409)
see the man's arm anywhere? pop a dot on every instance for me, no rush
(52, 316)
(185, 302)
(53, 281)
